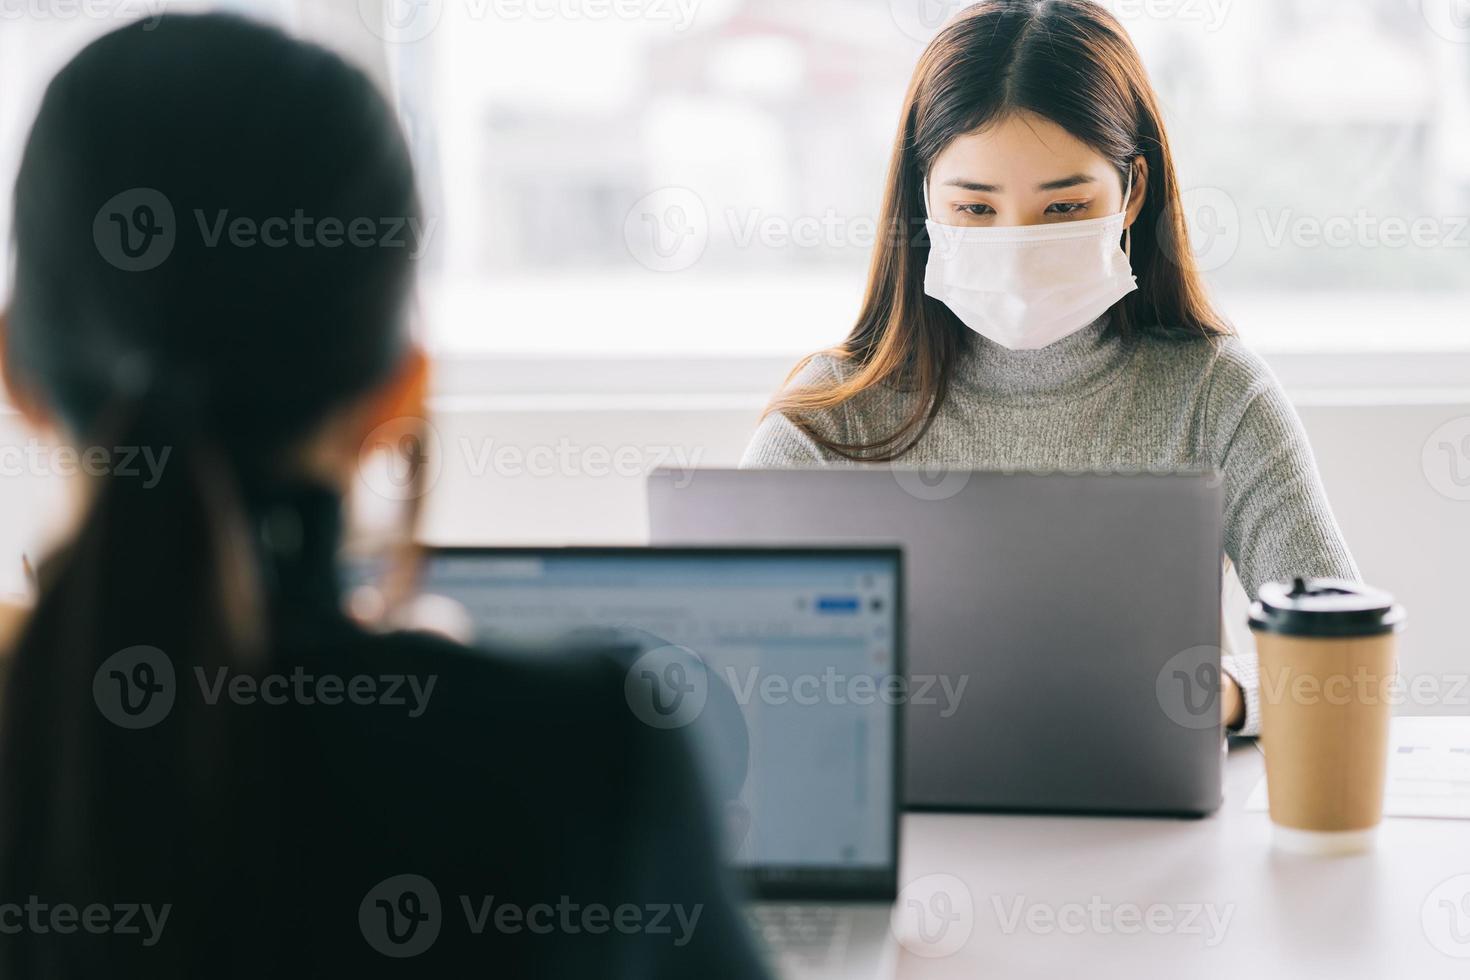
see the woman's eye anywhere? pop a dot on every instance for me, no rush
(979, 210)
(1067, 208)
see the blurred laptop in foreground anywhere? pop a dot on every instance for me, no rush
(783, 666)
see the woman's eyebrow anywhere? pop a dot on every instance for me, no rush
(970, 185)
(1072, 181)
(1052, 185)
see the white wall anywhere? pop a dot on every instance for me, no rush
(1406, 536)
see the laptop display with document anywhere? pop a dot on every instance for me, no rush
(785, 665)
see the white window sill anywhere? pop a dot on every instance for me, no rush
(683, 342)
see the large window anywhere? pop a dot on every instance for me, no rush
(689, 177)
(704, 176)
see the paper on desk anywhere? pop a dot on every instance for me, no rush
(1428, 770)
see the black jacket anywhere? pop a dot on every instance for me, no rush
(554, 833)
(447, 812)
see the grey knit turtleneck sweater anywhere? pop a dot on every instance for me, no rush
(1095, 402)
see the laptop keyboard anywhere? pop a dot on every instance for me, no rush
(802, 935)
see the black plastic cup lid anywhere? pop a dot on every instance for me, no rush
(1325, 607)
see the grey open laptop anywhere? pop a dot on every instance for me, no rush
(1064, 630)
(775, 660)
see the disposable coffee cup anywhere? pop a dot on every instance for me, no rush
(1328, 657)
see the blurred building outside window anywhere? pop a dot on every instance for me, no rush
(701, 178)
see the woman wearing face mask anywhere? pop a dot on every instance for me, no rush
(1048, 313)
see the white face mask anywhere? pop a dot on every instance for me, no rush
(1028, 287)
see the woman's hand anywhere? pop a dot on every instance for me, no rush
(1232, 703)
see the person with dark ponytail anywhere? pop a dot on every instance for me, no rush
(206, 768)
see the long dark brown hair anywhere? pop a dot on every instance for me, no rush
(1068, 61)
(220, 361)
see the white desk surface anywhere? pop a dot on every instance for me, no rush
(1400, 912)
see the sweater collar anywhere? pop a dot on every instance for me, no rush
(1072, 366)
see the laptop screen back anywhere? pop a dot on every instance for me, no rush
(784, 667)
